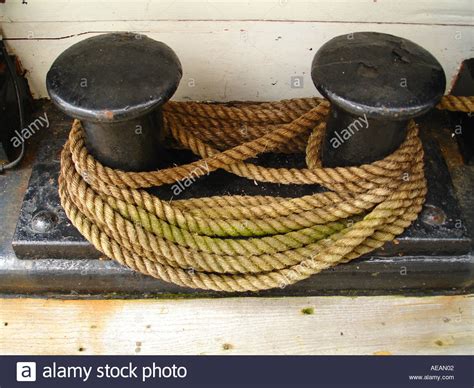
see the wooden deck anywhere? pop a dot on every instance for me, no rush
(380, 325)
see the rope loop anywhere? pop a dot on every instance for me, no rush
(245, 243)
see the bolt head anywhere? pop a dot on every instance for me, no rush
(432, 215)
(44, 221)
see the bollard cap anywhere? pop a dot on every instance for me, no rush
(113, 77)
(381, 75)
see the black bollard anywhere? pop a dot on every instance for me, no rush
(376, 83)
(116, 84)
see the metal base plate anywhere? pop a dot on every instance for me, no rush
(434, 253)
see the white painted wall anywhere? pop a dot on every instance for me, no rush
(235, 50)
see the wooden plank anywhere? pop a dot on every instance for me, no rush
(362, 11)
(225, 61)
(306, 325)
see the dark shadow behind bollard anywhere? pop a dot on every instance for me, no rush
(376, 83)
(116, 84)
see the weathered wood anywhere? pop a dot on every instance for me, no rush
(307, 325)
(361, 11)
(235, 50)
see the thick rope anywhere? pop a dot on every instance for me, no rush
(245, 243)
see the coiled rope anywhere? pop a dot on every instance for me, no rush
(245, 243)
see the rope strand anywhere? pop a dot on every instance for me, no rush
(245, 243)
